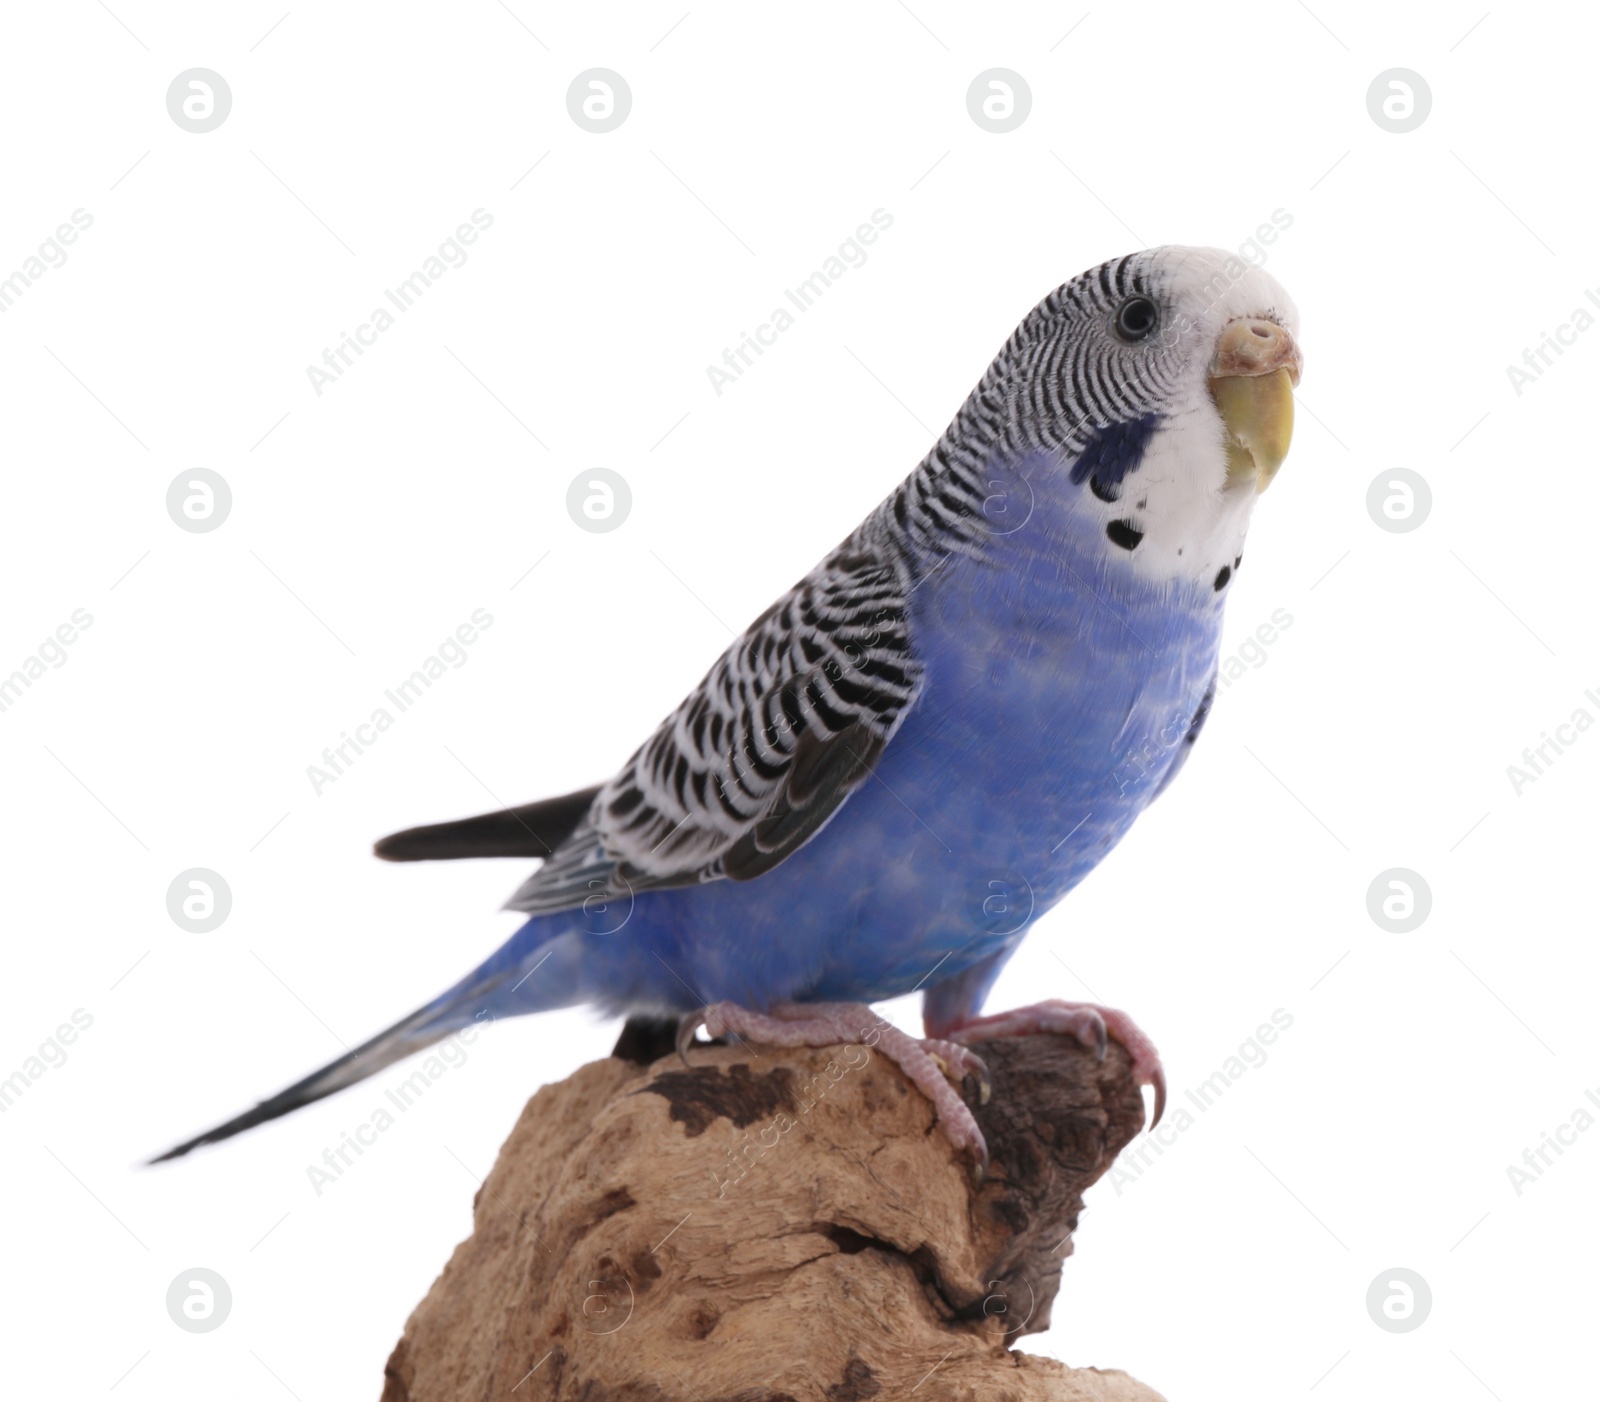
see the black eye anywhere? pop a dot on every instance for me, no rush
(1135, 319)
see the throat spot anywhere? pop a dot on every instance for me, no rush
(1125, 534)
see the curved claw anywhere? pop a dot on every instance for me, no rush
(686, 1034)
(1094, 1026)
(980, 1073)
(978, 1168)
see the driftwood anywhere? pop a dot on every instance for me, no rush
(773, 1226)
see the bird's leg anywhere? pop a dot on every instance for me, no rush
(1090, 1023)
(925, 1063)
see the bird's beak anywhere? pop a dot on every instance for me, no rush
(1253, 374)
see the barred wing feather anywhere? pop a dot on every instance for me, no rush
(780, 732)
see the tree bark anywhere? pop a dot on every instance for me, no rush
(774, 1226)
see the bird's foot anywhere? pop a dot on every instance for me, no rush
(1090, 1023)
(927, 1063)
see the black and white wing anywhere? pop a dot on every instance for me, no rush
(786, 725)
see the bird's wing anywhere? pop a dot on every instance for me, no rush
(761, 754)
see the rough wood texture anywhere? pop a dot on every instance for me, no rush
(773, 1226)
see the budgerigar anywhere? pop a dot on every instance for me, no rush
(938, 732)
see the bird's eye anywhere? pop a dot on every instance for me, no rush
(1135, 319)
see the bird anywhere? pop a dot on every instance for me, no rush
(935, 735)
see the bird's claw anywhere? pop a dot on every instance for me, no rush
(1099, 1029)
(978, 1164)
(1091, 1024)
(686, 1034)
(980, 1075)
(971, 1066)
(958, 1062)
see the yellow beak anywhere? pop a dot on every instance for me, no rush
(1253, 374)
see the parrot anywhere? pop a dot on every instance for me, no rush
(935, 735)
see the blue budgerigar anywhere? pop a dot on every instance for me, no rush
(938, 732)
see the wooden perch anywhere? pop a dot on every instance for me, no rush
(773, 1226)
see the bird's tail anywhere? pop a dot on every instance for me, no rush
(431, 1023)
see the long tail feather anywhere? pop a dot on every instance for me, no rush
(504, 985)
(411, 1034)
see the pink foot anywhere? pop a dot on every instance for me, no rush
(1089, 1023)
(926, 1063)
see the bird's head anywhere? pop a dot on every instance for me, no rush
(1164, 380)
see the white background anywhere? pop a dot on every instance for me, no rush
(369, 522)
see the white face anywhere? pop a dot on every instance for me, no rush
(1192, 512)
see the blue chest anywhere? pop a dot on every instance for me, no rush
(1060, 691)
